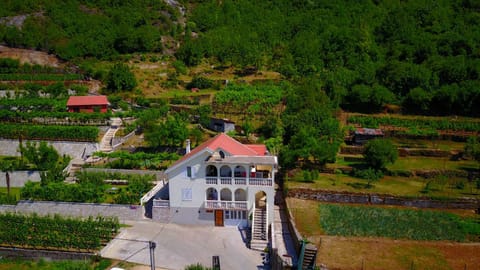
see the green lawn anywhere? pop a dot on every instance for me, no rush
(400, 186)
(430, 144)
(414, 163)
(372, 221)
(431, 163)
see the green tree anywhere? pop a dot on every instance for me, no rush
(172, 132)
(41, 155)
(379, 153)
(120, 77)
(472, 149)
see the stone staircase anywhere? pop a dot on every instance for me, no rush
(74, 166)
(259, 240)
(106, 143)
(309, 257)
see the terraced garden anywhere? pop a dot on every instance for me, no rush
(368, 237)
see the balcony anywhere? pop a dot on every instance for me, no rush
(228, 205)
(213, 180)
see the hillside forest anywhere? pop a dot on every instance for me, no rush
(414, 57)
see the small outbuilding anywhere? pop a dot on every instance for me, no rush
(362, 135)
(221, 125)
(87, 104)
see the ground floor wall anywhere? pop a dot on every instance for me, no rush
(202, 216)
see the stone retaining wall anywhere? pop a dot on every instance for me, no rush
(82, 210)
(72, 149)
(19, 178)
(380, 199)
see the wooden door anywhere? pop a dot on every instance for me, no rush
(218, 217)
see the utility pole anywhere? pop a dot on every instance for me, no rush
(152, 246)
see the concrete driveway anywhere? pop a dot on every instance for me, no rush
(182, 245)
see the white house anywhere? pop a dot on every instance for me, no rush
(222, 182)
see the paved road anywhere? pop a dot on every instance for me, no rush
(182, 245)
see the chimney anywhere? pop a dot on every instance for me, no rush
(187, 147)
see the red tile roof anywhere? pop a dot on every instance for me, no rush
(227, 144)
(87, 100)
(260, 149)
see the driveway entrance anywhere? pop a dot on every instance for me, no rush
(182, 245)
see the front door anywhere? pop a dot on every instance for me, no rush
(218, 217)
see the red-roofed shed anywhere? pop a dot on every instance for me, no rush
(87, 104)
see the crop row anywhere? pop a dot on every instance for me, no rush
(73, 133)
(138, 160)
(56, 232)
(253, 99)
(39, 77)
(427, 123)
(43, 104)
(396, 223)
(65, 118)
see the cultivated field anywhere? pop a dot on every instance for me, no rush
(340, 252)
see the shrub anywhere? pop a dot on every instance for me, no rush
(380, 152)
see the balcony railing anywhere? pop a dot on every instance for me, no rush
(240, 181)
(225, 205)
(225, 180)
(213, 180)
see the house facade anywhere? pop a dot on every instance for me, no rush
(88, 104)
(222, 182)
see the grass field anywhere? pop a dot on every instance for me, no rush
(430, 163)
(428, 144)
(400, 186)
(396, 223)
(415, 163)
(372, 253)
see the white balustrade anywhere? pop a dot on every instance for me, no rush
(209, 204)
(209, 180)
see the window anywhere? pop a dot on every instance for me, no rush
(189, 171)
(186, 194)
(235, 214)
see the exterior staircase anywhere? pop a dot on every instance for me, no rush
(106, 143)
(74, 166)
(259, 240)
(308, 256)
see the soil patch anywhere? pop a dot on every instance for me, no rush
(30, 57)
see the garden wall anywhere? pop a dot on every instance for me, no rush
(19, 178)
(72, 149)
(379, 199)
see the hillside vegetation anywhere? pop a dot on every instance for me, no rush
(82, 28)
(363, 54)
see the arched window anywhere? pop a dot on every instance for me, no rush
(222, 154)
(240, 171)
(211, 171)
(225, 195)
(225, 171)
(211, 194)
(240, 195)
